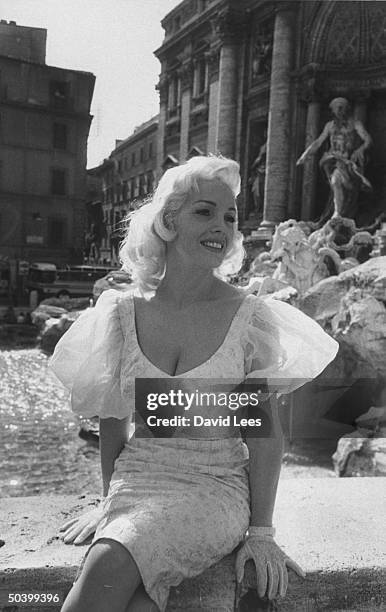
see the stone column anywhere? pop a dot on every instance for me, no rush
(186, 75)
(360, 107)
(279, 121)
(213, 58)
(227, 101)
(310, 168)
(229, 29)
(162, 88)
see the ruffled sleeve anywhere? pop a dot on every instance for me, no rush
(284, 346)
(87, 360)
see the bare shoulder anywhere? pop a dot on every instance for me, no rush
(124, 300)
(329, 126)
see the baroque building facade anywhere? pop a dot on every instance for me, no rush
(239, 77)
(44, 126)
(126, 178)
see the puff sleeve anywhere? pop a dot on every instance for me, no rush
(284, 346)
(87, 360)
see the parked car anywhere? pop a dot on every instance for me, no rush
(46, 280)
(115, 279)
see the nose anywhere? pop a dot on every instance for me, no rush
(218, 224)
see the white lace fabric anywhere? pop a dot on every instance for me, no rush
(99, 357)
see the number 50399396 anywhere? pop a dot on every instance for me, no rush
(29, 598)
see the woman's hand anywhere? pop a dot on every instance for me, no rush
(271, 565)
(77, 530)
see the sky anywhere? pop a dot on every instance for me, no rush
(113, 39)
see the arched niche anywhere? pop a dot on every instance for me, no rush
(344, 54)
(351, 34)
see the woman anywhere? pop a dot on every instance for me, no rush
(174, 506)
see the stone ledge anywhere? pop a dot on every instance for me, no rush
(334, 528)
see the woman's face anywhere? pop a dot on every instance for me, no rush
(206, 224)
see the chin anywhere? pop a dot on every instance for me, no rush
(214, 263)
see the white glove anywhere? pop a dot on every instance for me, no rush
(271, 565)
(77, 530)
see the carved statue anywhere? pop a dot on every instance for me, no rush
(257, 179)
(300, 265)
(344, 162)
(341, 235)
(262, 55)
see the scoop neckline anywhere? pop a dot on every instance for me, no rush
(235, 317)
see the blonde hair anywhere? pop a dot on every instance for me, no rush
(143, 250)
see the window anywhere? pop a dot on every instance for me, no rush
(200, 77)
(133, 158)
(59, 94)
(56, 232)
(150, 150)
(120, 166)
(150, 181)
(60, 136)
(58, 181)
(124, 190)
(174, 93)
(132, 188)
(141, 154)
(141, 185)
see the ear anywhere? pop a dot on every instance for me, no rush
(168, 219)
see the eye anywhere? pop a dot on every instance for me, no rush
(203, 211)
(230, 219)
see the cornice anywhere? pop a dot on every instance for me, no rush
(188, 29)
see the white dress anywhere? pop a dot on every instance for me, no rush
(179, 504)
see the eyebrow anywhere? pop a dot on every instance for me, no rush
(233, 208)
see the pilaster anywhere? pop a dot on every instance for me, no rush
(229, 27)
(279, 124)
(162, 88)
(186, 75)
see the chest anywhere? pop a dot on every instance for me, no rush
(342, 135)
(177, 341)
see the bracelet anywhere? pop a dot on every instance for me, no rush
(261, 531)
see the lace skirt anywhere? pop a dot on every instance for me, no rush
(178, 506)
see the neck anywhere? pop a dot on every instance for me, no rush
(184, 284)
(341, 120)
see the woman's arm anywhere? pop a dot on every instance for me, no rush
(113, 434)
(265, 457)
(315, 145)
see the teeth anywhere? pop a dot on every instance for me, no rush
(214, 245)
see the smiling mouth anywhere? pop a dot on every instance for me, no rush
(213, 245)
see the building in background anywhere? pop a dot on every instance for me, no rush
(240, 77)
(44, 126)
(127, 178)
